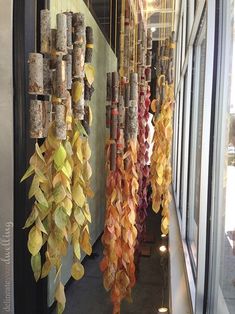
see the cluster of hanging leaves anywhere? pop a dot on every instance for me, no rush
(119, 231)
(142, 166)
(60, 213)
(160, 160)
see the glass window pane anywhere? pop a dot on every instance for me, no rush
(226, 294)
(195, 143)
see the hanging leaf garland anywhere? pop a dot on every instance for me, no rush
(60, 167)
(161, 156)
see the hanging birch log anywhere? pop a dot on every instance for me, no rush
(78, 61)
(89, 90)
(148, 74)
(114, 110)
(53, 49)
(149, 39)
(108, 116)
(67, 102)
(121, 113)
(78, 100)
(35, 73)
(149, 58)
(79, 29)
(113, 156)
(60, 124)
(47, 116)
(132, 127)
(120, 142)
(61, 81)
(89, 44)
(126, 102)
(109, 87)
(61, 35)
(115, 87)
(36, 118)
(86, 120)
(45, 31)
(140, 30)
(69, 17)
(46, 76)
(68, 59)
(114, 122)
(133, 86)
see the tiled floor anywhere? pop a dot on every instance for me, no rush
(88, 295)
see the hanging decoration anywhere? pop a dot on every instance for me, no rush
(162, 106)
(127, 98)
(144, 75)
(63, 76)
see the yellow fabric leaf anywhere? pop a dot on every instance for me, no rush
(46, 268)
(87, 170)
(79, 216)
(34, 187)
(78, 195)
(59, 157)
(76, 249)
(77, 271)
(85, 242)
(39, 153)
(86, 212)
(32, 217)
(34, 241)
(41, 198)
(60, 296)
(28, 173)
(90, 116)
(86, 150)
(68, 205)
(60, 217)
(90, 73)
(77, 91)
(40, 225)
(36, 265)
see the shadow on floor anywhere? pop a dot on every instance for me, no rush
(88, 295)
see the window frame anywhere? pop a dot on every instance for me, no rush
(218, 157)
(196, 288)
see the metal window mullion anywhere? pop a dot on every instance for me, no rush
(205, 160)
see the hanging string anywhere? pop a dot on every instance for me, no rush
(110, 22)
(173, 14)
(165, 22)
(116, 14)
(35, 26)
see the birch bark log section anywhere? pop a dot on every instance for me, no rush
(89, 44)
(133, 107)
(35, 73)
(60, 124)
(69, 17)
(61, 34)
(114, 110)
(149, 39)
(61, 81)
(47, 116)
(46, 75)
(108, 99)
(68, 59)
(45, 31)
(78, 61)
(53, 49)
(78, 99)
(36, 118)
